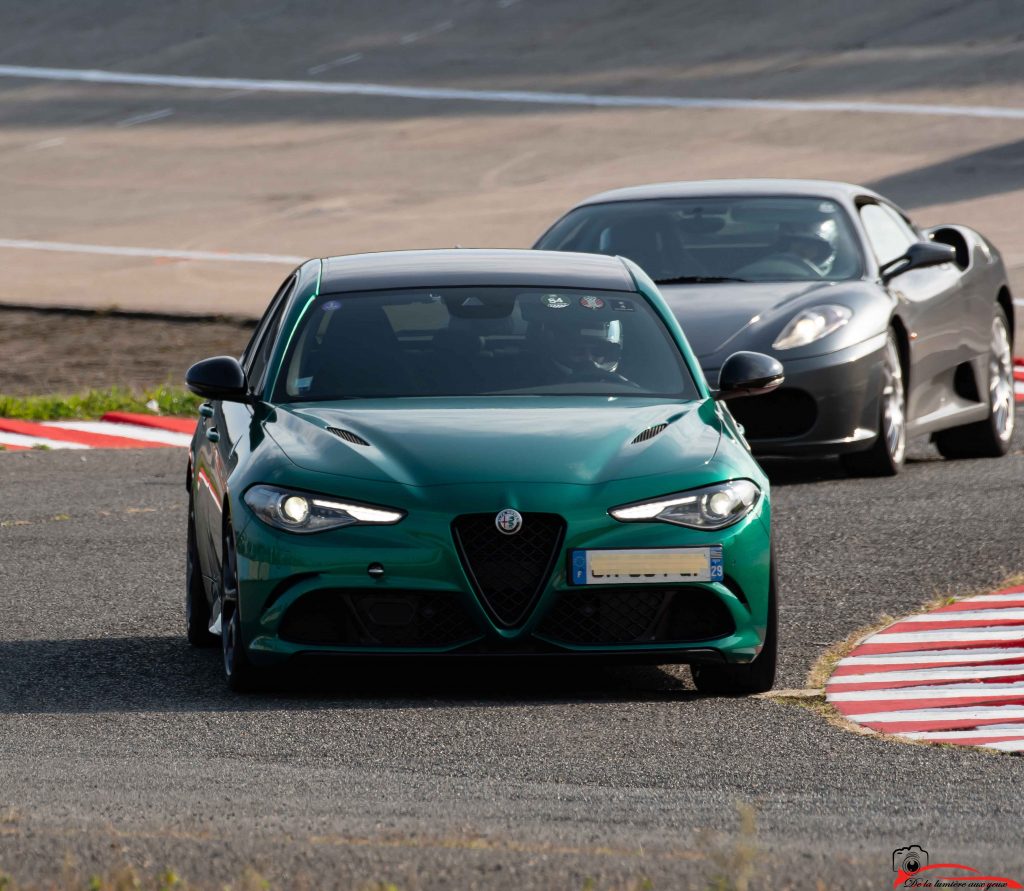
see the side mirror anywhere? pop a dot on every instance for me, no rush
(218, 378)
(748, 374)
(919, 255)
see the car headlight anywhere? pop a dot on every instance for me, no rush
(303, 512)
(810, 325)
(711, 507)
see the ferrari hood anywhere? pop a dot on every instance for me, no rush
(715, 315)
(441, 441)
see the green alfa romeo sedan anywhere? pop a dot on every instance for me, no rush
(476, 453)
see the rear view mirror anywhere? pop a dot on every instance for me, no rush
(748, 374)
(218, 378)
(919, 255)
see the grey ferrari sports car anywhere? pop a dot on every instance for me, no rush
(885, 330)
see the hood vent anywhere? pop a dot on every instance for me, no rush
(647, 434)
(348, 436)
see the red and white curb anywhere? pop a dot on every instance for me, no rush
(1018, 379)
(115, 430)
(953, 675)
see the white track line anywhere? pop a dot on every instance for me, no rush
(965, 672)
(130, 431)
(19, 244)
(992, 598)
(146, 117)
(528, 97)
(19, 439)
(952, 636)
(968, 615)
(959, 713)
(989, 730)
(946, 691)
(979, 655)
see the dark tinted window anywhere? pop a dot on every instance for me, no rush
(751, 239)
(268, 339)
(482, 341)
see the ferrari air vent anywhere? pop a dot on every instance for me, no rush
(348, 436)
(649, 433)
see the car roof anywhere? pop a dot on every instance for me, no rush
(816, 188)
(451, 268)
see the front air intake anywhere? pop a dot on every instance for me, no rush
(508, 572)
(348, 436)
(649, 433)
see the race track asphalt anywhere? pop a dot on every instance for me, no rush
(120, 744)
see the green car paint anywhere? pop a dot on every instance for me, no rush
(437, 458)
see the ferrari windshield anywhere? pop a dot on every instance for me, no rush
(683, 240)
(481, 341)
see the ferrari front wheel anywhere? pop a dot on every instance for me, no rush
(886, 456)
(991, 437)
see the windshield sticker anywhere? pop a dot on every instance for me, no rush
(827, 207)
(591, 302)
(554, 301)
(622, 306)
(331, 305)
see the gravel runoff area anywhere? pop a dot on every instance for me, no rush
(68, 352)
(119, 743)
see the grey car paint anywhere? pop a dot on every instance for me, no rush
(942, 316)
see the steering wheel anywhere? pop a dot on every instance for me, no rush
(772, 264)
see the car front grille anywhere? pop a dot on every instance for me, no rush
(635, 615)
(508, 572)
(378, 618)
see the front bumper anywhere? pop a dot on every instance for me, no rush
(426, 604)
(828, 405)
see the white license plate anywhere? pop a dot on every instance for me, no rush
(638, 566)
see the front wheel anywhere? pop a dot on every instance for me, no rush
(753, 677)
(991, 437)
(886, 456)
(197, 607)
(239, 672)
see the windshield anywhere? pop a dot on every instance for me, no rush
(481, 341)
(680, 240)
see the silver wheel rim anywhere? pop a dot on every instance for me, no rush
(1000, 381)
(894, 419)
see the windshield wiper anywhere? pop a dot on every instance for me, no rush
(698, 280)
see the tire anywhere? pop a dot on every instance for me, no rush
(991, 437)
(197, 607)
(752, 677)
(887, 454)
(239, 672)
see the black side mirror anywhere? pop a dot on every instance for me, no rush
(748, 374)
(218, 378)
(919, 255)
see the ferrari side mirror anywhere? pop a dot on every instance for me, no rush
(919, 255)
(748, 374)
(218, 378)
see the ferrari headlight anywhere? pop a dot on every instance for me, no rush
(712, 507)
(303, 512)
(810, 325)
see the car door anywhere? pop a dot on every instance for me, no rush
(220, 426)
(929, 305)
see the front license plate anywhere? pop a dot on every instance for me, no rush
(646, 566)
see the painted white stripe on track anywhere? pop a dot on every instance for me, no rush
(978, 656)
(988, 730)
(1010, 745)
(957, 713)
(946, 691)
(19, 439)
(990, 598)
(927, 674)
(953, 636)
(19, 244)
(527, 97)
(130, 431)
(967, 615)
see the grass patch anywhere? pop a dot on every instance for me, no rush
(95, 403)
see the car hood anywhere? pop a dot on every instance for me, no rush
(715, 316)
(443, 441)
